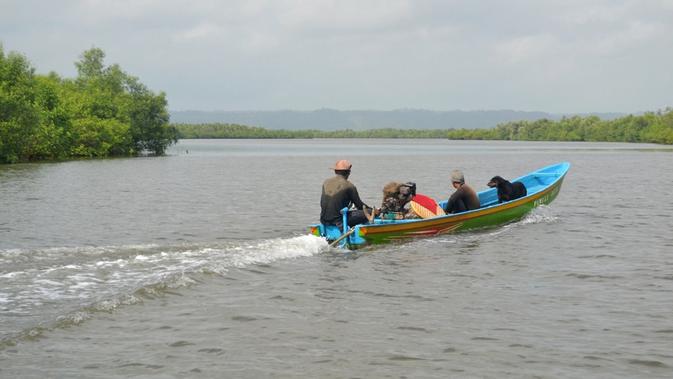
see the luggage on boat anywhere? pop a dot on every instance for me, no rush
(395, 197)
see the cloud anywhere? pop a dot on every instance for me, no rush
(345, 16)
(199, 32)
(600, 13)
(527, 48)
(631, 36)
(300, 54)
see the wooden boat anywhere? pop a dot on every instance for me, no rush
(542, 186)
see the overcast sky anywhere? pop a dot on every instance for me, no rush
(532, 55)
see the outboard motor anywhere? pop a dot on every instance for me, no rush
(407, 191)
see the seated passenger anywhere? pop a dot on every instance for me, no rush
(464, 199)
(395, 198)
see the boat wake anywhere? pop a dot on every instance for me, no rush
(60, 287)
(540, 215)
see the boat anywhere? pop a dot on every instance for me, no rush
(542, 187)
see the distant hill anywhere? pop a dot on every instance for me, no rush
(330, 119)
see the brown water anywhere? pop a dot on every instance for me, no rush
(198, 265)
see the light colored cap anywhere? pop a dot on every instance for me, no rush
(342, 165)
(457, 176)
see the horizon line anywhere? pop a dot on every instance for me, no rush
(401, 110)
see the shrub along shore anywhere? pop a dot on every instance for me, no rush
(651, 127)
(103, 112)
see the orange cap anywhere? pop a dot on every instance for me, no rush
(342, 165)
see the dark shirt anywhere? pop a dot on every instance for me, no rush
(464, 199)
(337, 193)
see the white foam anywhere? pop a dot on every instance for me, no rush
(48, 282)
(181, 281)
(107, 305)
(11, 275)
(71, 282)
(58, 252)
(539, 215)
(75, 318)
(272, 250)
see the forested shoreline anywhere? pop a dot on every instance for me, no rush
(651, 127)
(103, 112)
(106, 112)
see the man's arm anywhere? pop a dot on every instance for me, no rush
(355, 198)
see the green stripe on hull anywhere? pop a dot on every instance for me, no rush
(488, 217)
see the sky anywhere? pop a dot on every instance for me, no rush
(559, 56)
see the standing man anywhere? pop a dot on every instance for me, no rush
(464, 199)
(338, 193)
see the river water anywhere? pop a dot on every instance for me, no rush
(198, 264)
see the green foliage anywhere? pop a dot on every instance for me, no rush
(96, 137)
(650, 127)
(149, 122)
(19, 115)
(234, 131)
(103, 112)
(90, 64)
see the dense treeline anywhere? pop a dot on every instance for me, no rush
(103, 112)
(106, 112)
(241, 131)
(650, 127)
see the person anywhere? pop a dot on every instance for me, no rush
(395, 198)
(339, 193)
(464, 199)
